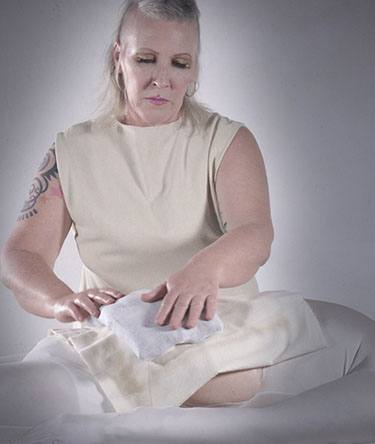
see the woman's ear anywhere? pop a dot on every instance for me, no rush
(196, 71)
(116, 52)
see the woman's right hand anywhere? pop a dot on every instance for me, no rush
(79, 306)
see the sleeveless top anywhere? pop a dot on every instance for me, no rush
(143, 202)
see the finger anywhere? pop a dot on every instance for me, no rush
(112, 292)
(86, 303)
(178, 314)
(211, 305)
(195, 310)
(155, 294)
(76, 313)
(106, 299)
(101, 297)
(165, 307)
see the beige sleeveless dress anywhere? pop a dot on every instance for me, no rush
(143, 202)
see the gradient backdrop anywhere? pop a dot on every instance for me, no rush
(299, 73)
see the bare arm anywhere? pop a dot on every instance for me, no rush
(29, 255)
(242, 192)
(234, 257)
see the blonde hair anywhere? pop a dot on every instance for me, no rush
(111, 100)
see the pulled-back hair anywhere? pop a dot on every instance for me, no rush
(111, 101)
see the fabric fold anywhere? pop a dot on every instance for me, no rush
(133, 322)
(258, 331)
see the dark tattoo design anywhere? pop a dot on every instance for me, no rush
(39, 185)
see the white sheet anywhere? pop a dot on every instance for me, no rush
(332, 411)
(283, 423)
(279, 325)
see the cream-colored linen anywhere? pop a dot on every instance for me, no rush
(143, 202)
(275, 326)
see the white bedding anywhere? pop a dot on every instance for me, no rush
(334, 410)
(174, 425)
(215, 425)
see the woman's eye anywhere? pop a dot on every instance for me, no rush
(141, 60)
(181, 65)
(175, 62)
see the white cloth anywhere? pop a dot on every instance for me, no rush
(275, 326)
(329, 399)
(133, 321)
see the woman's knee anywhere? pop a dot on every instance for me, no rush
(227, 388)
(31, 392)
(350, 328)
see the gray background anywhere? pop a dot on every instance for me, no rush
(299, 73)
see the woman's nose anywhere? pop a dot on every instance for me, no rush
(161, 78)
(160, 84)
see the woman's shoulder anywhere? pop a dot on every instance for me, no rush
(215, 119)
(84, 128)
(215, 124)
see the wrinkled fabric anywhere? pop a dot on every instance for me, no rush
(276, 326)
(327, 397)
(51, 379)
(133, 322)
(279, 423)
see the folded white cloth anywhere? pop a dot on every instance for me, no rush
(133, 321)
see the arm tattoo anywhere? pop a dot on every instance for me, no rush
(39, 185)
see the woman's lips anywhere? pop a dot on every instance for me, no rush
(157, 100)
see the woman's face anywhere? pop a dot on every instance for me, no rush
(158, 58)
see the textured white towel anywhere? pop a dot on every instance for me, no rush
(133, 321)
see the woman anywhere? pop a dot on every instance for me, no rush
(152, 209)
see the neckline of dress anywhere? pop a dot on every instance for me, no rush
(152, 128)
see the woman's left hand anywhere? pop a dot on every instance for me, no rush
(193, 288)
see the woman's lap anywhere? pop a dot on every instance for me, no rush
(351, 347)
(340, 411)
